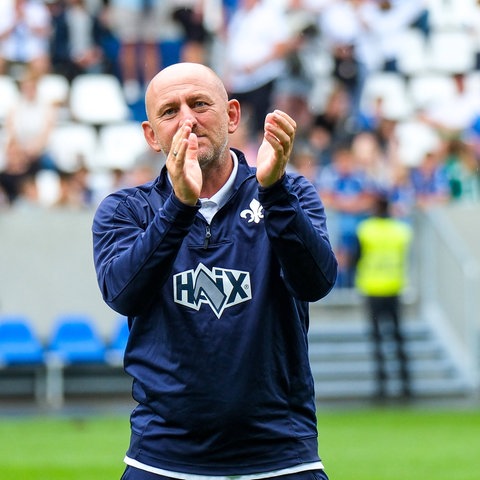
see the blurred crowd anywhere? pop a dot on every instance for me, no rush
(380, 102)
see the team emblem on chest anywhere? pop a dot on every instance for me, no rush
(254, 213)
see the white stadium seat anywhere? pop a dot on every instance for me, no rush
(451, 52)
(428, 89)
(72, 144)
(97, 99)
(391, 88)
(48, 187)
(412, 52)
(120, 145)
(54, 88)
(415, 139)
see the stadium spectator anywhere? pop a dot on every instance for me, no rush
(320, 140)
(190, 15)
(382, 260)
(17, 169)
(336, 117)
(136, 24)
(430, 181)
(347, 39)
(293, 91)
(214, 263)
(347, 194)
(28, 197)
(371, 158)
(453, 115)
(401, 193)
(258, 41)
(74, 190)
(463, 171)
(386, 21)
(304, 161)
(30, 121)
(24, 37)
(78, 40)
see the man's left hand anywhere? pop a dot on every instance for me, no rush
(276, 147)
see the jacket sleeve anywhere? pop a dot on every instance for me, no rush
(133, 256)
(295, 221)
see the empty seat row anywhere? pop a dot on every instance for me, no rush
(403, 98)
(74, 340)
(94, 99)
(113, 146)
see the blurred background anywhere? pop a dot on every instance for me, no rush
(386, 95)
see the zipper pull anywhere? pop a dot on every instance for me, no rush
(208, 234)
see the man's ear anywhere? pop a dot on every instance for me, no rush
(150, 137)
(234, 115)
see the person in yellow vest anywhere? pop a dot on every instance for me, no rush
(380, 276)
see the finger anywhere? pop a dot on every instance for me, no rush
(280, 137)
(286, 120)
(192, 144)
(180, 140)
(279, 123)
(181, 148)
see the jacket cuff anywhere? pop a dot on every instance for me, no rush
(177, 212)
(274, 193)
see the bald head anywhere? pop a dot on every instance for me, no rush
(191, 95)
(177, 76)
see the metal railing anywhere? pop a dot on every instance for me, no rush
(450, 290)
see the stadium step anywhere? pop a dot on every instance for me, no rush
(343, 366)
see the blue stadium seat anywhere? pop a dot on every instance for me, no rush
(75, 340)
(19, 344)
(116, 348)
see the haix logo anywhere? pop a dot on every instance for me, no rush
(219, 288)
(255, 213)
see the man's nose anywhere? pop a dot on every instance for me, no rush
(186, 114)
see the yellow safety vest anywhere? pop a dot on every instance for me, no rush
(384, 243)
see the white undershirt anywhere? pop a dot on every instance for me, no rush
(210, 206)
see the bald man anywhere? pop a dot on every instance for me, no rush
(215, 262)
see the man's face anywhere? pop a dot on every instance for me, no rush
(171, 103)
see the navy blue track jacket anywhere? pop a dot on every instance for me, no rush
(218, 318)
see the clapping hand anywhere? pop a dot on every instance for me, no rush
(276, 148)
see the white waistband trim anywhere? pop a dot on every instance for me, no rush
(254, 476)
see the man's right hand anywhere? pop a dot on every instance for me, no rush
(183, 167)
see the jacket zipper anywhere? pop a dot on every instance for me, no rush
(208, 234)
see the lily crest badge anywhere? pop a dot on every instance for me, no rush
(255, 213)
